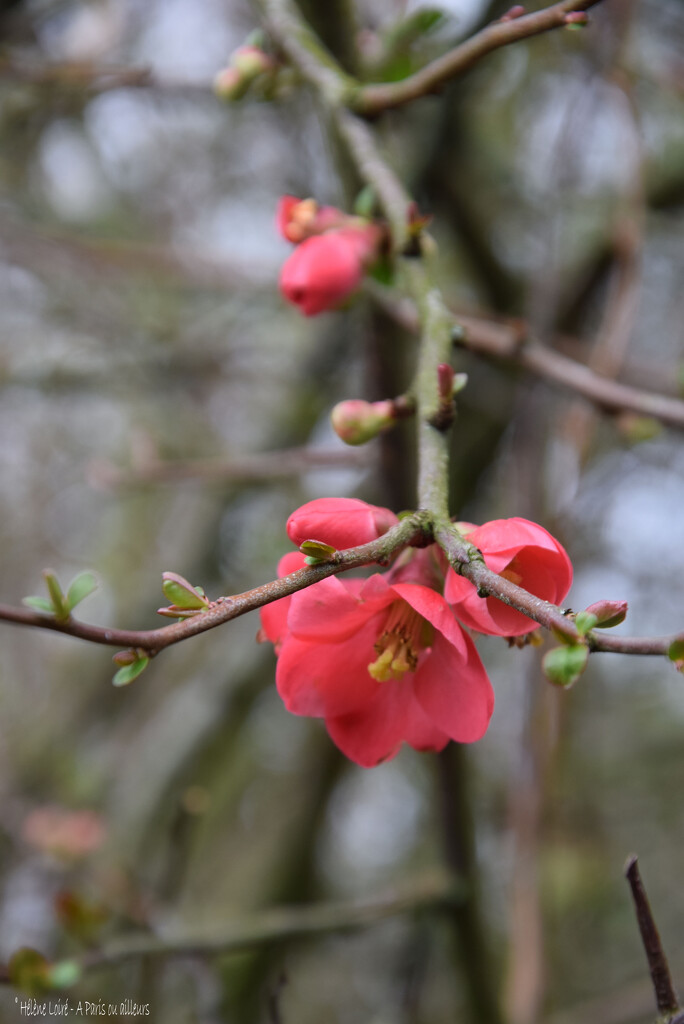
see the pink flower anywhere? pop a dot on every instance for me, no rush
(325, 269)
(298, 219)
(382, 660)
(341, 522)
(522, 552)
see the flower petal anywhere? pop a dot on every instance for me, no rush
(328, 679)
(342, 522)
(435, 609)
(274, 615)
(331, 610)
(373, 733)
(454, 691)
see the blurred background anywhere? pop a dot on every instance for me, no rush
(148, 367)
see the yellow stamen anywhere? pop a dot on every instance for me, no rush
(406, 633)
(511, 573)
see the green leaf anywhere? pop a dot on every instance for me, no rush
(59, 606)
(365, 202)
(564, 665)
(127, 673)
(80, 588)
(676, 650)
(28, 970)
(585, 621)
(64, 974)
(181, 593)
(316, 551)
(39, 604)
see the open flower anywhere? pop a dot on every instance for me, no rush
(298, 219)
(382, 660)
(522, 552)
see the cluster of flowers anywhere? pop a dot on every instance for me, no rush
(386, 660)
(333, 251)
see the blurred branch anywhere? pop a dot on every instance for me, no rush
(666, 997)
(374, 99)
(284, 924)
(259, 466)
(507, 342)
(459, 850)
(93, 77)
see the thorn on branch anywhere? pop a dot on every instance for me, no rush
(666, 997)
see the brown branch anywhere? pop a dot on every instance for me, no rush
(666, 997)
(374, 99)
(256, 467)
(546, 614)
(280, 924)
(506, 342)
(223, 609)
(93, 77)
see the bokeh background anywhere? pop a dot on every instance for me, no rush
(148, 366)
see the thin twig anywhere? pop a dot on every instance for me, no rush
(507, 342)
(223, 609)
(283, 924)
(374, 99)
(666, 997)
(287, 463)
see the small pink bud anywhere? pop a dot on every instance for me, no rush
(513, 13)
(445, 381)
(576, 18)
(230, 85)
(608, 613)
(251, 61)
(356, 421)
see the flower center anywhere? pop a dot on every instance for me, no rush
(405, 635)
(512, 573)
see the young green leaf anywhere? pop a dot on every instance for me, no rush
(39, 604)
(60, 607)
(676, 650)
(564, 665)
(584, 621)
(181, 593)
(127, 673)
(316, 551)
(80, 588)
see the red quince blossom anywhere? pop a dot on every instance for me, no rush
(298, 219)
(522, 552)
(341, 522)
(325, 269)
(382, 660)
(334, 250)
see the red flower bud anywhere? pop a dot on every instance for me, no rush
(325, 269)
(608, 613)
(299, 219)
(341, 522)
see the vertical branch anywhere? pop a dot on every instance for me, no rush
(474, 961)
(666, 997)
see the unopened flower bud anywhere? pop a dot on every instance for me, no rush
(251, 61)
(230, 85)
(513, 13)
(356, 421)
(608, 613)
(445, 381)
(576, 19)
